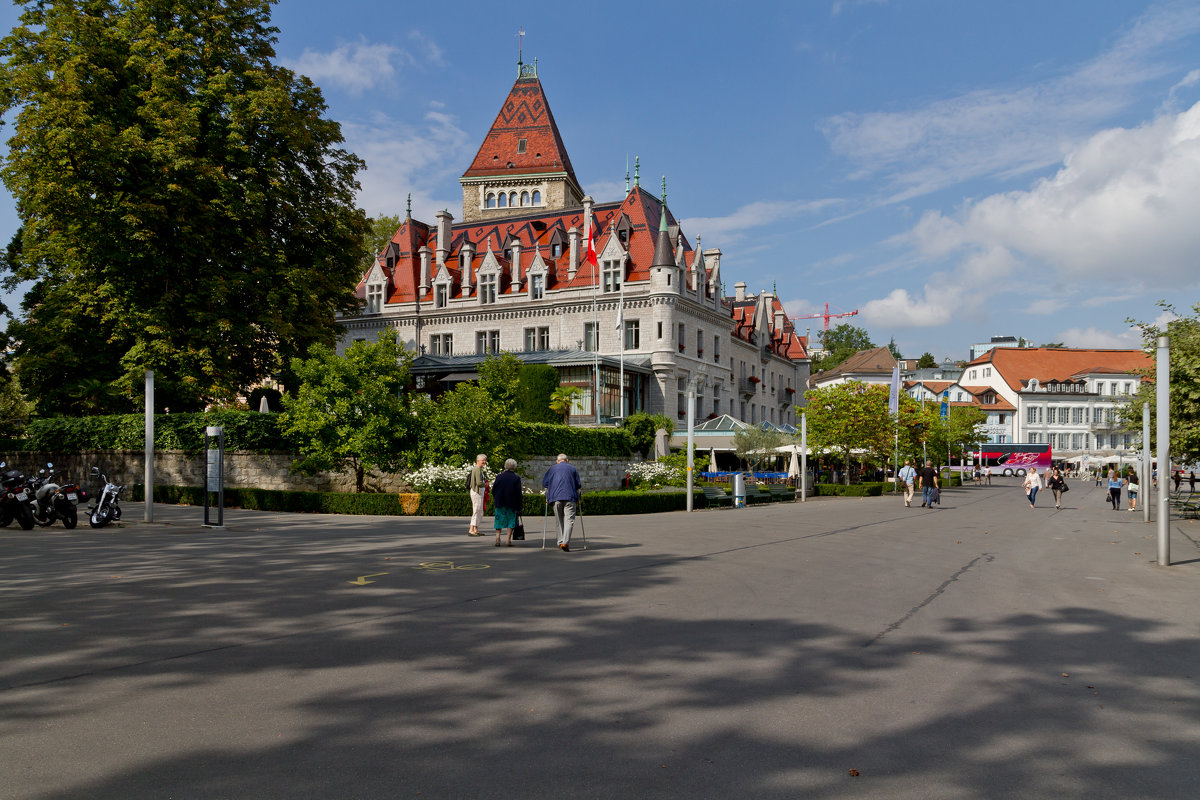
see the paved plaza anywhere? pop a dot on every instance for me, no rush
(841, 648)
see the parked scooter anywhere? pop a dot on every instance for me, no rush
(108, 502)
(53, 501)
(14, 498)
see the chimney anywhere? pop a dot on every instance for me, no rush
(573, 262)
(425, 253)
(444, 218)
(516, 264)
(780, 316)
(739, 290)
(587, 217)
(466, 256)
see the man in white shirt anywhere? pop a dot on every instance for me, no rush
(908, 481)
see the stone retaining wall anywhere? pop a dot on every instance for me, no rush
(271, 470)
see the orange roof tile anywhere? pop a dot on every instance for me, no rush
(1017, 365)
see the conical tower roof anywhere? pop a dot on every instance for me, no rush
(524, 116)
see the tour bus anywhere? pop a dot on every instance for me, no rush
(1013, 459)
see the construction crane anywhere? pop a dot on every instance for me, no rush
(827, 316)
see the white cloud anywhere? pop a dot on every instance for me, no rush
(356, 67)
(732, 227)
(945, 297)
(1095, 338)
(1006, 131)
(1044, 306)
(403, 158)
(1122, 209)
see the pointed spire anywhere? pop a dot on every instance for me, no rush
(637, 166)
(663, 256)
(626, 173)
(408, 209)
(664, 194)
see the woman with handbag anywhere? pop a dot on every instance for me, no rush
(506, 493)
(1057, 484)
(1033, 482)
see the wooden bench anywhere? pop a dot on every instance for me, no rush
(780, 492)
(716, 496)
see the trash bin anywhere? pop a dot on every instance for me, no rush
(739, 490)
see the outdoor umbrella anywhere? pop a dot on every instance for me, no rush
(712, 459)
(794, 466)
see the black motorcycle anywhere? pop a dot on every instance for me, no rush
(14, 498)
(53, 501)
(108, 502)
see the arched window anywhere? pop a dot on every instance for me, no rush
(512, 199)
(503, 200)
(537, 197)
(524, 198)
(491, 201)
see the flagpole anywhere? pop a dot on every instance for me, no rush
(621, 336)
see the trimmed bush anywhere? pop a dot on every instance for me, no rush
(456, 504)
(244, 430)
(853, 490)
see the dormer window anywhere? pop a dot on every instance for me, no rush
(487, 289)
(555, 250)
(441, 295)
(537, 285)
(611, 276)
(374, 298)
(521, 145)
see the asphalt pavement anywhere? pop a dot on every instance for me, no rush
(840, 648)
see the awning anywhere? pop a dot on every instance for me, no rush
(458, 377)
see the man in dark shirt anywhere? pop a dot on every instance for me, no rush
(929, 481)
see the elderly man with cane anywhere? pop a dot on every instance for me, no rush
(562, 490)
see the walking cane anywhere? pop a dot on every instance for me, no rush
(545, 514)
(581, 528)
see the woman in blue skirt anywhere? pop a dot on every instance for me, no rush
(506, 493)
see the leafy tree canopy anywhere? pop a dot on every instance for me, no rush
(895, 351)
(643, 427)
(184, 201)
(754, 445)
(379, 232)
(840, 343)
(926, 361)
(349, 413)
(1184, 374)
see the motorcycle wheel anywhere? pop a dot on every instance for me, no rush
(69, 518)
(24, 517)
(100, 517)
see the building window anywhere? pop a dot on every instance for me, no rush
(537, 339)
(537, 286)
(556, 248)
(611, 276)
(1034, 438)
(717, 349)
(440, 294)
(502, 200)
(589, 336)
(1033, 415)
(1077, 441)
(441, 344)
(537, 197)
(487, 342)
(374, 298)
(1052, 415)
(521, 145)
(491, 201)
(660, 330)
(524, 198)
(1077, 415)
(699, 343)
(682, 337)
(633, 334)
(681, 393)
(487, 289)
(512, 199)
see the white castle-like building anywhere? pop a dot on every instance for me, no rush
(635, 331)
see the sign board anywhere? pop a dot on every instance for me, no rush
(945, 404)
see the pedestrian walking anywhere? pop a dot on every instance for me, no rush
(1056, 482)
(908, 482)
(563, 487)
(1033, 482)
(477, 488)
(987, 475)
(1114, 489)
(1192, 481)
(506, 494)
(929, 484)
(1178, 478)
(1131, 489)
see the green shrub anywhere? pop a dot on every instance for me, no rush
(244, 430)
(853, 490)
(543, 439)
(455, 504)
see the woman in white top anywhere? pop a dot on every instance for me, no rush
(1033, 482)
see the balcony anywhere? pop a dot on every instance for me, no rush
(748, 387)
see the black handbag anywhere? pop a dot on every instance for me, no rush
(519, 531)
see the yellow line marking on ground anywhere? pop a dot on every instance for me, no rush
(447, 566)
(362, 581)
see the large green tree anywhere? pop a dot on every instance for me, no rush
(851, 419)
(1184, 373)
(183, 199)
(350, 412)
(380, 231)
(840, 343)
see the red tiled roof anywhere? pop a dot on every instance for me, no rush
(1017, 365)
(526, 115)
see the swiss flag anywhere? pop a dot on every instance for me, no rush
(590, 257)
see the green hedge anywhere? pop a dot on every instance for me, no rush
(456, 504)
(853, 490)
(244, 430)
(259, 433)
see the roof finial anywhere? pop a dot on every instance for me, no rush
(408, 209)
(520, 48)
(627, 173)
(774, 288)
(637, 180)
(664, 195)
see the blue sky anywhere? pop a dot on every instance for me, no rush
(953, 170)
